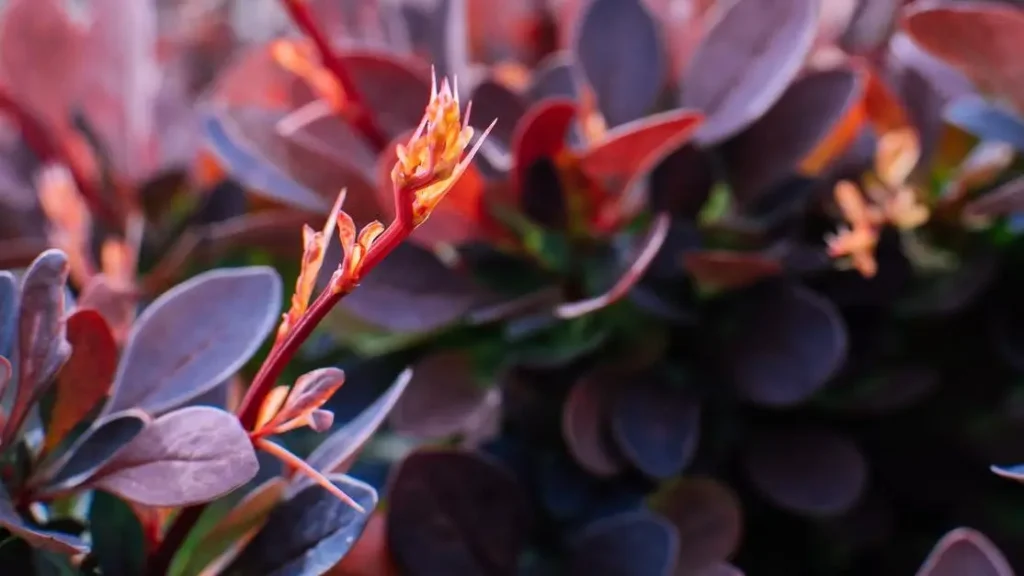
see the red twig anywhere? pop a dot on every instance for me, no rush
(49, 149)
(362, 119)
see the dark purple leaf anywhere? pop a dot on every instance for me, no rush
(398, 91)
(745, 62)
(681, 182)
(412, 291)
(986, 120)
(45, 539)
(442, 399)
(338, 450)
(477, 509)
(963, 552)
(42, 346)
(493, 101)
(554, 78)
(309, 393)
(185, 457)
(708, 519)
(256, 172)
(542, 197)
(771, 148)
(92, 450)
(195, 336)
(950, 293)
(631, 544)
(1004, 200)
(618, 46)
(656, 425)
(309, 532)
(895, 388)
(814, 472)
(789, 344)
(1015, 472)
(586, 419)
(8, 311)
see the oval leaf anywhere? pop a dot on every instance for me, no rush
(815, 473)
(554, 78)
(472, 542)
(618, 46)
(790, 344)
(708, 519)
(185, 457)
(657, 426)
(585, 424)
(965, 551)
(631, 544)
(93, 449)
(745, 62)
(195, 336)
(442, 399)
(309, 532)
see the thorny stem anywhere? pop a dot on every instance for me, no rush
(362, 119)
(48, 149)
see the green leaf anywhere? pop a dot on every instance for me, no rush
(118, 539)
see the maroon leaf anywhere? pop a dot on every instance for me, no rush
(618, 46)
(815, 472)
(493, 101)
(745, 62)
(42, 346)
(789, 345)
(443, 398)
(723, 269)
(541, 133)
(586, 418)
(195, 336)
(804, 116)
(45, 539)
(86, 378)
(709, 521)
(185, 457)
(397, 90)
(465, 493)
(309, 393)
(965, 551)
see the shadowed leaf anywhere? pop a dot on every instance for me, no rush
(806, 114)
(965, 551)
(618, 46)
(553, 78)
(86, 378)
(986, 120)
(1004, 200)
(42, 347)
(814, 473)
(308, 533)
(8, 311)
(185, 457)
(442, 398)
(722, 269)
(397, 91)
(746, 61)
(93, 449)
(541, 133)
(631, 544)
(118, 541)
(681, 182)
(656, 425)
(45, 539)
(708, 519)
(309, 393)
(790, 343)
(195, 336)
(493, 101)
(465, 493)
(586, 419)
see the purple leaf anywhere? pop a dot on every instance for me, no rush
(745, 62)
(42, 346)
(585, 424)
(1005, 199)
(442, 398)
(103, 440)
(789, 345)
(618, 46)
(185, 457)
(553, 78)
(45, 539)
(963, 552)
(308, 533)
(493, 101)
(8, 311)
(656, 425)
(708, 519)
(342, 446)
(194, 337)
(464, 493)
(815, 473)
(805, 114)
(631, 544)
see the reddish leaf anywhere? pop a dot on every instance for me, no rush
(116, 304)
(541, 133)
(978, 38)
(309, 393)
(396, 90)
(708, 518)
(86, 378)
(585, 424)
(965, 551)
(192, 455)
(443, 398)
(723, 269)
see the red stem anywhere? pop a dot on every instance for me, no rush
(49, 149)
(362, 119)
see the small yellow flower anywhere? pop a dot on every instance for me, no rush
(432, 161)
